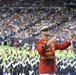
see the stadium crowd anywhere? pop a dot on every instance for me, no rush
(14, 20)
(29, 21)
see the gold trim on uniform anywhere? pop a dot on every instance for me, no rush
(49, 52)
(48, 49)
(50, 57)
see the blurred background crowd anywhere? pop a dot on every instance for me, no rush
(20, 23)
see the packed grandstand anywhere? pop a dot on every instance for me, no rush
(20, 23)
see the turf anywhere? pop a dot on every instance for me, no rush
(6, 47)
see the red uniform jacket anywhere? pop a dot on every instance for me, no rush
(49, 65)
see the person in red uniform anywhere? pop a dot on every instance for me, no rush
(46, 48)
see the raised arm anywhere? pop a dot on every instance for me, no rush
(62, 46)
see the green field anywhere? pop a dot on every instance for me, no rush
(6, 47)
